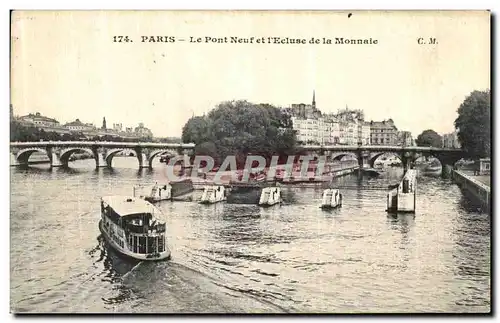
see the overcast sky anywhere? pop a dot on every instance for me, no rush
(66, 66)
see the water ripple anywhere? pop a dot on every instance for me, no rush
(240, 258)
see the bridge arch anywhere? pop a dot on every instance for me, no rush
(158, 152)
(340, 155)
(447, 160)
(110, 154)
(375, 156)
(66, 154)
(23, 155)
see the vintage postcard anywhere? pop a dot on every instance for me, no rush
(250, 162)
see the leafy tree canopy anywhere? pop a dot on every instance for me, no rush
(473, 124)
(241, 128)
(429, 138)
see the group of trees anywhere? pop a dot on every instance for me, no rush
(429, 138)
(241, 128)
(473, 125)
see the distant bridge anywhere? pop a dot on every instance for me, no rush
(367, 155)
(59, 152)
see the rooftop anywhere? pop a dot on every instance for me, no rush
(77, 122)
(127, 205)
(383, 124)
(38, 116)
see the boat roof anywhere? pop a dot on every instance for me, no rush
(127, 205)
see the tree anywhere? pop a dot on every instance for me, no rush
(473, 124)
(429, 138)
(195, 130)
(208, 149)
(240, 128)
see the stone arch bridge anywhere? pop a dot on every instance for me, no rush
(367, 155)
(59, 152)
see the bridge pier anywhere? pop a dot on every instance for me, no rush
(144, 161)
(100, 161)
(13, 160)
(408, 159)
(363, 159)
(55, 161)
(186, 167)
(446, 171)
(143, 157)
(99, 157)
(54, 157)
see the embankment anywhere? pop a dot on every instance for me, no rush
(474, 186)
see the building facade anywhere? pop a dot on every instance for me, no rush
(383, 133)
(42, 122)
(142, 132)
(346, 127)
(365, 133)
(117, 126)
(405, 138)
(450, 140)
(78, 126)
(353, 129)
(39, 120)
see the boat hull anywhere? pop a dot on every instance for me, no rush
(157, 199)
(161, 256)
(206, 202)
(269, 204)
(181, 188)
(330, 207)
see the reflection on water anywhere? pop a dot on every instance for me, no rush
(294, 257)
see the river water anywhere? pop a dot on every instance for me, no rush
(293, 257)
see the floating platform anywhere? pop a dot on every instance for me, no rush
(162, 192)
(213, 194)
(331, 199)
(270, 196)
(403, 197)
(153, 193)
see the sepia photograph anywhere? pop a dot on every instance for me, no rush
(250, 162)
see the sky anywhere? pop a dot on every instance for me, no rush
(65, 65)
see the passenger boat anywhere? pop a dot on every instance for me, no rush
(130, 225)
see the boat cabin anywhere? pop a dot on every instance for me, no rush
(131, 223)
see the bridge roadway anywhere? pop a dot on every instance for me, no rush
(59, 152)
